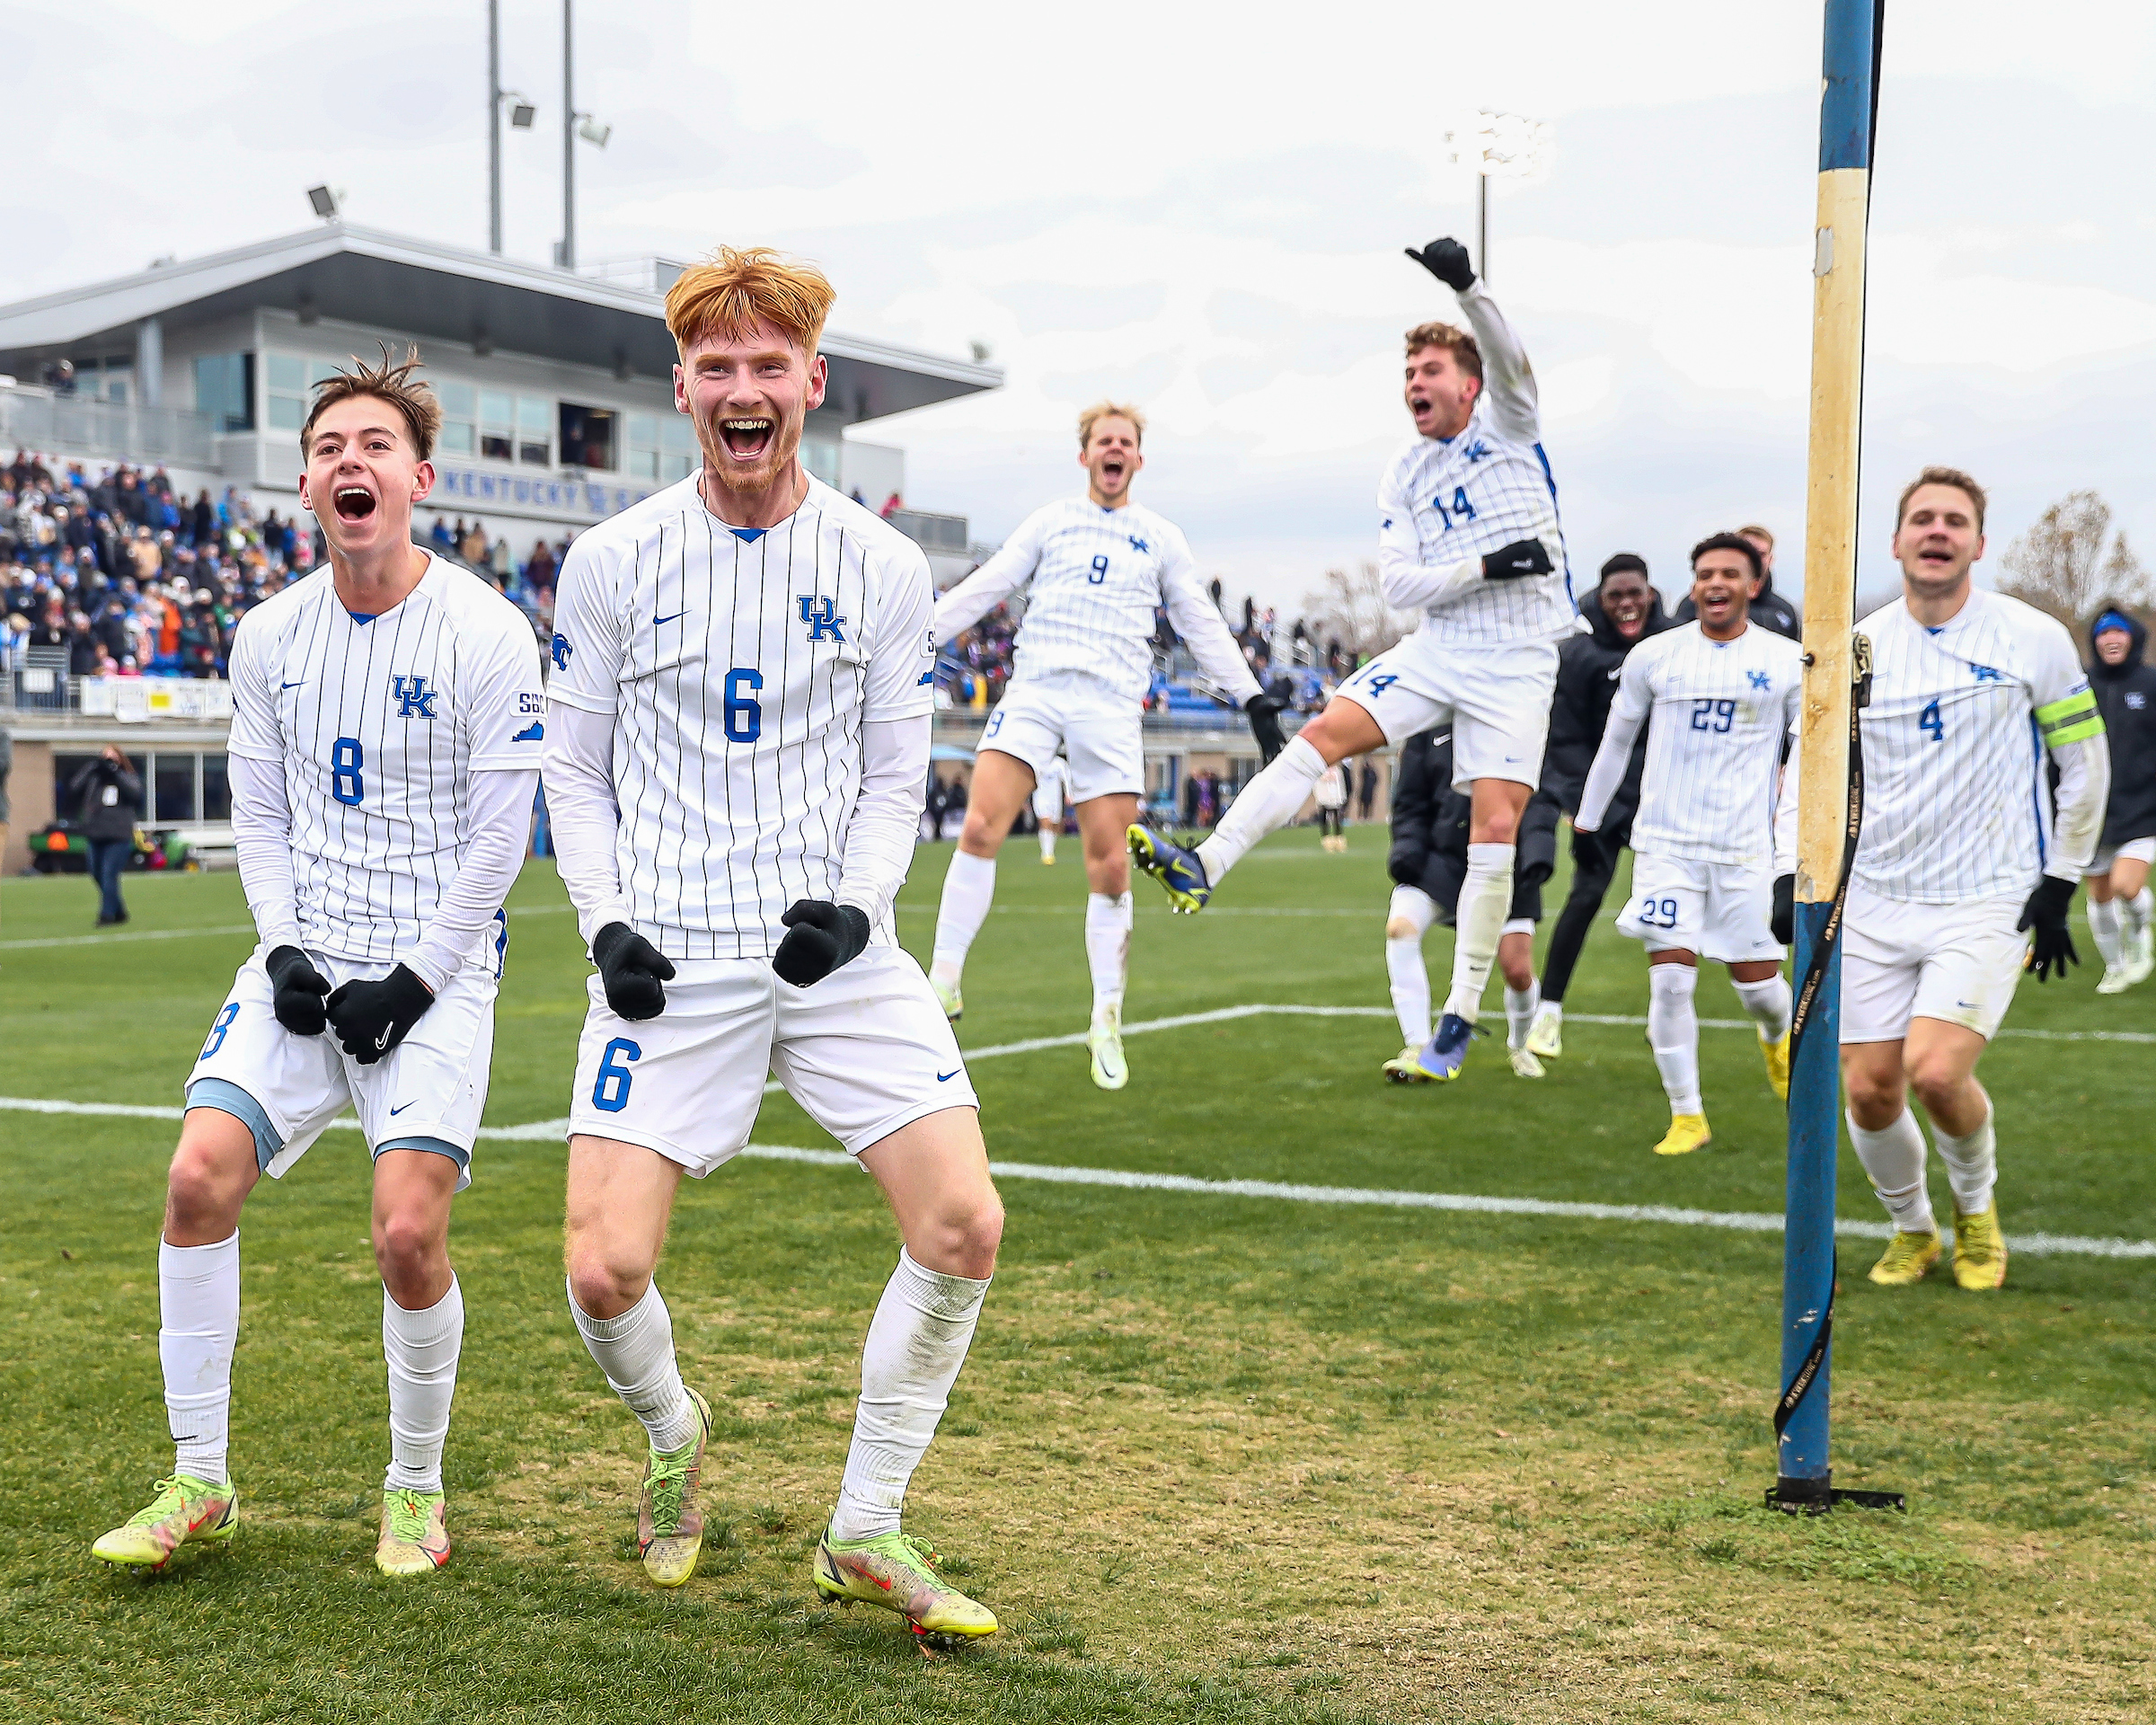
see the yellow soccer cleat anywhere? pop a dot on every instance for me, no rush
(1907, 1259)
(1777, 1055)
(1546, 1035)
(1687, 1133)
(948, 997)
(186, 1512)
(415, 1533)
(898, 1572)
(1104, 1047)
(669, 1521)
(1402, 1069)
(1524, 1062)
(1979, 1250)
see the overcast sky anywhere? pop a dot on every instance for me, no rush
(1203, 211)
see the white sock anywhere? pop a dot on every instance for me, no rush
(1768, 1002)
(968, 889)
(2139, 908)
(421, 1349)
(1520, 1004)
(198, 1318)
(1048, 841)
(1893, 1156)
(1972, 1165)
(1485, 903)
(2106, 923)
(1269, 802)
(1673, 1030)
(636, 1352)
(917, 1341)
(1407, 921)
(1108, 946)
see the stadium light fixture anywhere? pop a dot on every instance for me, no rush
(592, 132)
(523, 110)
(324, 202)
(1500, 147)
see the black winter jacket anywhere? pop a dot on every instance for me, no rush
(2125, 695)
(1770, 610)
(1586, 682)
(107, 799)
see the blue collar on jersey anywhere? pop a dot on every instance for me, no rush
(360, 616)
(748, 535)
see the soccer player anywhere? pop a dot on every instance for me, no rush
(1722, 694)
(1469, 536)
(1094, 569)
(737, 756)
(1770, 610)
(1620, 613)
(1428, 864)
(1047, 808)
(384, 749)
(2119, 901)
(1331, 794)
(1963, 874)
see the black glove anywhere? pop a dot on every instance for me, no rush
(1591, 852)
(1782, 921)
(1264, 710)
(300, 987)
(2045, 913)
(1448, 261)
(631, 969)
(820, 936)
(1522, 558)
(371, 1018)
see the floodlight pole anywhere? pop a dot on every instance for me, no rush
(569, 141)
(1482, 221)
(494, 127)
(1848, 112)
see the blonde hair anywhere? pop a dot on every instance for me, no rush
(731, 291)
(1105, 410)
(1467, 354)
(1757, 532)
(394, 384)
(1952, 476)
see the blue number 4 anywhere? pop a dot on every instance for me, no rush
(1929, 721)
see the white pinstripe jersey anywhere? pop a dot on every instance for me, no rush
(739, 667)
(1093, 578)
(1716, 712)
(379, 723)
(1955, 802)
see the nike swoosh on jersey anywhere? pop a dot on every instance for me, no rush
(945, 1077)
(295, 685)
(670, 618)
(399, 1108)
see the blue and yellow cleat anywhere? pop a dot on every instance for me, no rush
(1179, 872)
(1445, 1052)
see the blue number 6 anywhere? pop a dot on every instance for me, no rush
(743, 714)
(611, 1092)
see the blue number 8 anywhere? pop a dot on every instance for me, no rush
(743, 714)
(611, 1092)
(216, 1031)
(346, 758)
(1099, 572)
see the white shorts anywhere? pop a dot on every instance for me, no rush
(1077, 716)
(1719, 910)
(1047, 799)
(427, 1093)
(2134, 850)
(865, 1051)
(1495, 699)
(1900, 960)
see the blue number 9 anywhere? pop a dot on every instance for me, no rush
(1099, 572)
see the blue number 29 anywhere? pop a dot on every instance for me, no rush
(346, 758)
(1930, 722)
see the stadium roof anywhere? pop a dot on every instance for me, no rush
(359, 275)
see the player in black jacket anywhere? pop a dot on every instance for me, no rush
(1428, 863)
(1620, 614)
(2119, 901)
(1769, 609)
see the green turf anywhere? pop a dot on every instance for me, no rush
(1211, 1458)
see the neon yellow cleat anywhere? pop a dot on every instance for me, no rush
(1907, 1259)
(669, 1521)
(1104, 1043)
(415, 1533)
(186, 1512)
(1777, 1063)
(948, 997)
(1524, 1062)
(1403, 1068)
(1687, 1133)
(1546, 1035)
(1979, 1250)
(898, 1572)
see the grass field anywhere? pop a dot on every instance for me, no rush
(1213, 1457)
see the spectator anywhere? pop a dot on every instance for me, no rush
(107, 795)
(539, 569)
(1365, 795)
(891, 506)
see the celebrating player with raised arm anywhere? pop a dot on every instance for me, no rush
(1094, 569)
(1962, 876)
(736, 762)
(384, 749)
(1469, 536)
(1722, 693)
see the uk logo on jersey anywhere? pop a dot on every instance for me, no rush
(1985, 674)
(1139, 544)
(414, 699)
(1759, 679)
(1476, 451)
(561, 650)
(816, 612)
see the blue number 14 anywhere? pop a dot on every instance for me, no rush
(1930, 722)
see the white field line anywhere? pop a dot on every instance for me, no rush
(192, 934)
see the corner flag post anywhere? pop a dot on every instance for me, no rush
(1848, 112)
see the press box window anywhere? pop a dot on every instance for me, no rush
(589, 437)
(291, 387)
(460, 406)
(224, 390)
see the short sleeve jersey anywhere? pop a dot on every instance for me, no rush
(739, 665)
(379, 723)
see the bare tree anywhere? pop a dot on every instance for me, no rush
(2061, 567)
(1350, 610)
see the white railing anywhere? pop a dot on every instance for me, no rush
(37, 419)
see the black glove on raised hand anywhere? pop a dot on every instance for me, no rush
(371, 1018)
(1446, 260)
(1520, 558)
(630, 970)
(1782, 921)
(1264, 710)
(2051, 949)
(1590, 852)
(300, 987)
(820, 936)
